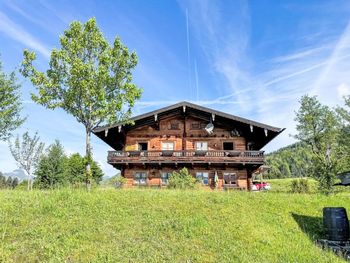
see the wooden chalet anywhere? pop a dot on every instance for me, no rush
(210, 143)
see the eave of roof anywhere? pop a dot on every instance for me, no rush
(197, 107)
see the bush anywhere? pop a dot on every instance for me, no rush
(181, 180)
(23, 185)
(300, 186)
(118, 181)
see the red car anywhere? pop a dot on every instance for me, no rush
(258, 186)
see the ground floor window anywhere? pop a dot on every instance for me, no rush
(140, 178)
(164, 177)
(202, 177)
(230, 178)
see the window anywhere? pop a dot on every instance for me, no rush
(164, 177)
(140, 178)
(230, 178)
(196, 125)
(250, 146)
(167, 146)
(174, 126)
(228, 146)
(201, 146)
(143, 146)
(203, 177)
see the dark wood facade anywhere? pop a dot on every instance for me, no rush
(168, 139)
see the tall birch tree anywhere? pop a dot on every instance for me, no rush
(27, 153)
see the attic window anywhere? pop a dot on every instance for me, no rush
(174, 126)
(196, 125)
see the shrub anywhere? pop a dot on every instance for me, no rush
(118, 181)
(181, 180)
(300, 186)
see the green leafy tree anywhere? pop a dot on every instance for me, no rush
(15, 182)
(75, 169)
(10, 104)
(27, 153)
(96, 171)
(2, 181)
(50, 169)
(344, 138)
(318, 128)
(88, 78)
(181, 180)
(291, 161)
(9, 182)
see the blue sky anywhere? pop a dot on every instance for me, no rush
(254, 59)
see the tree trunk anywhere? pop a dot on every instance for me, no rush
(28, 185)
(88, 159)
(31, 182)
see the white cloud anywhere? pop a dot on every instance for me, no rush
(343, 90)
(16, 32)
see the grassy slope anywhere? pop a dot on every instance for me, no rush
(162, 226)
(284, 186)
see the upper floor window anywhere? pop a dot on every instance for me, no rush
(228, 146)
(140, 178)
(143, 146)
(250, 146)
(167, 146)
(201, 146)
(203, 177)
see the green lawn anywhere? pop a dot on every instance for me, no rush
(149, 225)
(284, 186)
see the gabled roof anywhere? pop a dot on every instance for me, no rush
(178, 108)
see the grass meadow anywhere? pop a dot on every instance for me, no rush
(152, 225)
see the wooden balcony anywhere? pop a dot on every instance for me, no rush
(188, 156)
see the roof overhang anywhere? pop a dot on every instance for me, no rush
(114, 134)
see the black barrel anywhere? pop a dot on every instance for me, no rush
(336, 223)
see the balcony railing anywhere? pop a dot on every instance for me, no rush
(187, 156)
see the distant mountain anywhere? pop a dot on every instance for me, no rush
(106, 178)
(20, 174)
